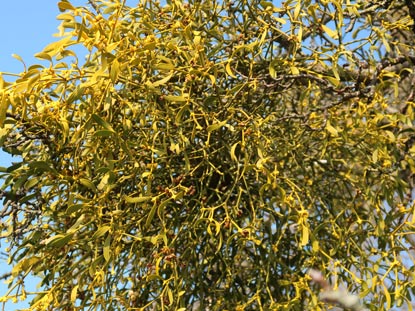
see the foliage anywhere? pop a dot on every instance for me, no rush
(206, 154)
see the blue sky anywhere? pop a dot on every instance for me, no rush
(27, 26)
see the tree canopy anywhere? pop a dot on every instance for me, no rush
(205, 155)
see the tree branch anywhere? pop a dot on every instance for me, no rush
(341, 297)
(411, 8)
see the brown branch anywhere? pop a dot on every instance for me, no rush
(411, 8)
(5, 275)
(94, 6)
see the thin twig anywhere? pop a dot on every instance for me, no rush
(94, 6)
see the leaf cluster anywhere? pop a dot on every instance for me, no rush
(206, 154)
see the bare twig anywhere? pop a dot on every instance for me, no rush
(5, 275)
(411, 8)
(94, 6)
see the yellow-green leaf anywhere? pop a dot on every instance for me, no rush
(315, 246)
(115, 70)
(74, 208)
(103, 133)
(100, 232)
(266, 4)
(87, 183)
(297, 10)
(335, 82)
(76, 94)
(153, 210)
(294, 70)
(65, 5)
(233, 148)
(43, 55)
(160, 82)
(174, 98)
(391, 136)
(179, 115)
(102, 122)
(139, 199)
(331, 129)
(18, 57)
(375, 156)
(59, 240)
(107, 248)
(58, 46)
(272, 71)
(25, 265)
(215, 126)
(229, 70)
(31, 182)
(74, 293)
(304, 236)
(4, 105)
(165, 66)
(170, 295)
(387, 297)
(42, 166)
(332, 34)
(65, 17)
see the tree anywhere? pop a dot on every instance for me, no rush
(206, 154)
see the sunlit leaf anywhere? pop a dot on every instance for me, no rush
(107, 248)
(216, 126)
(88, 184)
(58, 240)
(43, 55)
(65, 5)
(332, 130)
(229, 70)
(115, 70)
(74, 293)
(102, 122)
(332, 34)
(25, 265)
(139, 199)
(161, 81)
(100, 232)
(4, 105)
(176, 98)
(103, 133)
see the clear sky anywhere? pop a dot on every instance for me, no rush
(26, 27)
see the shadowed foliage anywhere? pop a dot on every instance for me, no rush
(205, 155)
